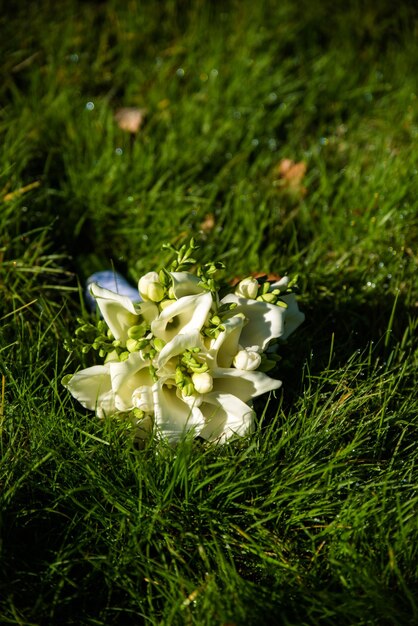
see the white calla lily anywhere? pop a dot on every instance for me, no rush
(172, 416)
(119, 312)
(178, 345)
(126, 377)
(280, 284)
(243, 384)
(185, 284)
(294, 317)
(92, 387)
(223, 349)
(183, 316)
(265, 321)
(226, 417)
(143, 399)
(181, 361)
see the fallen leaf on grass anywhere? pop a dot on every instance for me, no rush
(208, 223)
(289, 175)
(269, 277)
(130, 119)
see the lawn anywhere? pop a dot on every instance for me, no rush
(283, 136)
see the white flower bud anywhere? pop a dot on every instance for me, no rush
(203, 383)
(142, 399)
(150, 288)
(247, 360)
(247, 288)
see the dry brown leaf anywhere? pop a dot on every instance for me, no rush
(290, 175)
(208, 223)
(130, 119)
(270, 277)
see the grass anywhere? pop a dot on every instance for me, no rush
(313, 519)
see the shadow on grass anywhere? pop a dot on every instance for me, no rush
(334, 331)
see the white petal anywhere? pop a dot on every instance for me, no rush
(119, 312)
(149, 311)
(178, 345)
(185, 284)
(265, 321)
(243, 383)
(224, 348)
(293, 317)
(126, 377)
(93, 389)
(226, 417)
(183, 316)
(173, 417)
(280, 284)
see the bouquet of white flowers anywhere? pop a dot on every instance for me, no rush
(190, 355)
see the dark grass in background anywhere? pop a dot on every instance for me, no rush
(313, 520)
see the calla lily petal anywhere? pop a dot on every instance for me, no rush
(183, 316)
(92, 387)
(224, 348)
(173, 417)
(178, 345)
(126, 377)
(185, 284)
(245, 384)
(265, 321)
(149, 311)
(293, 317)
(119, 312)
(226, 417)
(280, 284)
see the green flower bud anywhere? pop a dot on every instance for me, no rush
(132, 345)
(158, 344)
(138, 414)
(137, 332)
(179, 377)
(188, 389)
(165, 303)
(270, 298)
